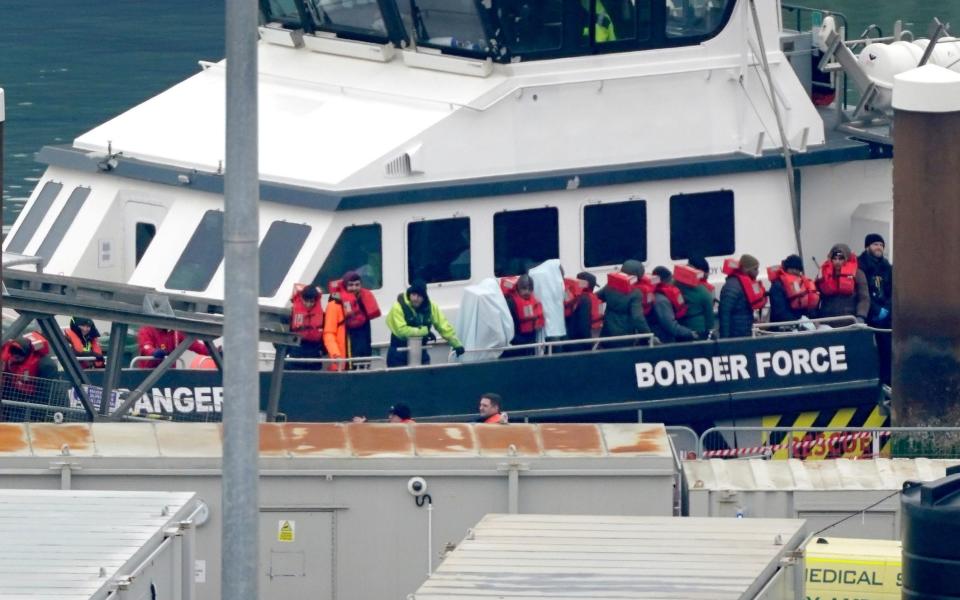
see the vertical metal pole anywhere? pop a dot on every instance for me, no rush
(111, 376)
(3, 117)
(241, 380)
(414, 351)
(276, 381)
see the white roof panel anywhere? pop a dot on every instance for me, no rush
(53, 544)
(552, 556)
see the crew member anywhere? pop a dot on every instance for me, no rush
(306, 320)
(491, 410)
(843, 286)
(346, 325)
(84, 338)
(668, 307)
(527, 313)
(586, 317)
(740, 297)
(603, 24)
(698, 297)
(27, 373)
(400, 413)
(158, 343)
(624, 312)
(792, 294)
(879, 274)
(412, 315)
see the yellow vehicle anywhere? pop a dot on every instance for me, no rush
(853, 569)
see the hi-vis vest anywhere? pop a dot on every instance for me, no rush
(673, 294)
(838, 284)
(603, 24)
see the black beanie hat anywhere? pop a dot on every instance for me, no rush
(699, 263)
(792, 262)
(419, 287)
(873, 238)
(663, 274)
(309, 292)
(589, 278)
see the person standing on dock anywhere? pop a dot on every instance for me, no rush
(668, 307)
(740, 297)
(412, 315)
(346, 325)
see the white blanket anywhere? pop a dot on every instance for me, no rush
(548, 288)
(484, 320)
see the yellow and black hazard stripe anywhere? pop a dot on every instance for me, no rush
(862, 416)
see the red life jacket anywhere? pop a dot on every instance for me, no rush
(756, 295)
(596, 309)
(529, 312)
(621, 282)
(572, 288)
(647, 290)
(838, 284)
(508, 284)
(801, 291)
(29, 367)
(358, 310)
(303, 319)
(675, 297)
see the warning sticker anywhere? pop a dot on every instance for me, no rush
(286, 531)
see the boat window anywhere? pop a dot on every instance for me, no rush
(278, 250)
(531, 26)
(702, 225)
(614, 232)
(62, 223)
(282, 11)
(30, 223)
(201, 257)
(695, 18)
(450, 24)
(144, 233)
(523, 239)
(616, 20)
(359, 248)
(357, 17)
(439, 250)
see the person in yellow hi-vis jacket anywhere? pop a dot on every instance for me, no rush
(412, 315)
(603, 24)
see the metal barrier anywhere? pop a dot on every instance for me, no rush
(139, 359)
(829, 442)
(359, 363)
(685, 441)
(546, 348)
(27, 398)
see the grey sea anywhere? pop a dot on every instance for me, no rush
(67, 66)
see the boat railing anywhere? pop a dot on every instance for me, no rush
(357, 363)
(135, 362)
(547, 348)
(804, 325)
(813, 443)
(39, 399)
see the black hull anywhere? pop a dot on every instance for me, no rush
(827, 370)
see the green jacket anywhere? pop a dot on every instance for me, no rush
(406, 322)
(699, 302)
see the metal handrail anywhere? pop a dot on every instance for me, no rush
(140, 359)
(338, 361)
(877, 432)
(539, 346)
(770, 328)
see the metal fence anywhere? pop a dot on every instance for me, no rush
(817, 443)
(33, 399)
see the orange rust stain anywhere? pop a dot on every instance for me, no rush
(315, 438)
(54, 437)
(443, 438)
(13, 438)
(495, 440)
(272, 442)
(646, 441)
(371, 439)
(571, 439)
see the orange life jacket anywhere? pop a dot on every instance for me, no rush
(508, 284)
(675, 297)
(493, 418)
(572, 288)
(756, 295)
(91, 346)
(801, 291)
(596, 309)
(308, 322)
(838, 284)
(529, 312)
(647, 291)
(20, 373)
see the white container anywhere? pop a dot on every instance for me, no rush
(882, 62)
(945, 54)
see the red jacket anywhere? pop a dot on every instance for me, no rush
(150, 339)
(36, 364)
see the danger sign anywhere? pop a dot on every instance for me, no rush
(286, 531)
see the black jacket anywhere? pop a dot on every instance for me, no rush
(664, 322)
(624, 314)
(879, 274)
(736, 316)
(780, 310)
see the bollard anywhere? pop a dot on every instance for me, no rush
(414, 350)
(926, 285)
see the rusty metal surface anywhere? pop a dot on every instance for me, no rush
(338, 440)
(926, 293)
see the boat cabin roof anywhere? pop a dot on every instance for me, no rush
(508, 30)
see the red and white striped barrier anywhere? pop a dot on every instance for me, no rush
(804, 444)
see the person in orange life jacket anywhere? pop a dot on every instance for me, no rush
(491, 409)
(792, 294)
(527, 313)
(586, 318)
(400, 413)
(740, 297)
(84, 338)
(412, 315)
(158, 343)
(624, 314)
(668, 307)
(346, 325)
(843, 286)
(699, 300)
(26, 373)
(306, 320)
